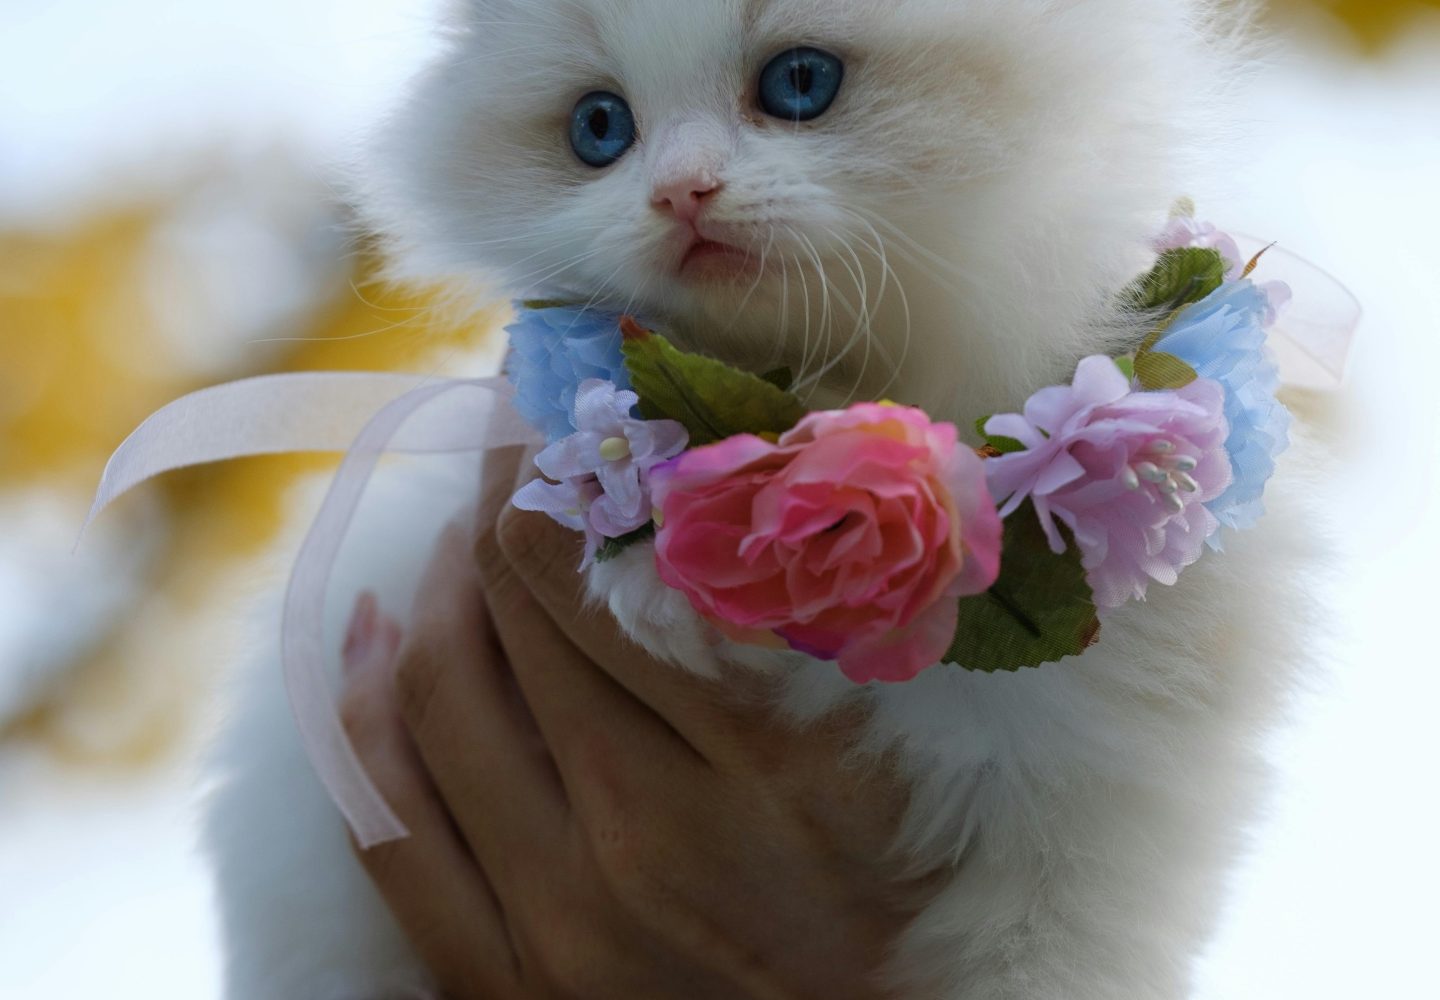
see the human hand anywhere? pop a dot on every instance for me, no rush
(589, 822)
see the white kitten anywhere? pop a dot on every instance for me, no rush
(949, 233)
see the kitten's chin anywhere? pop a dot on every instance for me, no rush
(711, 262)
(719, 289)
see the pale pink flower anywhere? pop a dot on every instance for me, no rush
(601, 472)
(1186, 231)
(1130, 473)
(852, 538)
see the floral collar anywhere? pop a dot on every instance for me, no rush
(871, 536)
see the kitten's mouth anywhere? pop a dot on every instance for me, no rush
(713, 259)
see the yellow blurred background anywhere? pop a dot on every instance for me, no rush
(94, 315)
(135, 270)
(1372, 23)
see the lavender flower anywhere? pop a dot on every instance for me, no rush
(1130, 473)
(1223, 338)
(1186, 231)
(551, 352)
(601, 472)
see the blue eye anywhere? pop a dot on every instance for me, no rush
(800, 84)
(602, 128)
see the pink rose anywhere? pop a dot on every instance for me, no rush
(852, 538)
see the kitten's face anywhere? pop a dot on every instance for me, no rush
(955, 126)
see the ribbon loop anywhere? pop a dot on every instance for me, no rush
(1314, 333)
(491, 423)
(364, 415)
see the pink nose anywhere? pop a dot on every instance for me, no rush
(685, 196)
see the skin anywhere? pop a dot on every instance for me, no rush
(589, 822)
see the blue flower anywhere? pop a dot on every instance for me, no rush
(1223, 338)
(551, 352)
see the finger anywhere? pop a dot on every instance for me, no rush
(609, 747)
(543, 554)
(429, 881)
(362, 634)
(502, 469)
(473, 732)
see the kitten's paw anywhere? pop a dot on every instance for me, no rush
(657, 617)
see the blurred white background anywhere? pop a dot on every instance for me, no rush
(103, 105)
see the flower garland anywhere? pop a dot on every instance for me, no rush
(870, 536)
(867, 536)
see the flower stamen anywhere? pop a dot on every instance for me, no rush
(1151, 473)
(1169, 473)
(615, 449)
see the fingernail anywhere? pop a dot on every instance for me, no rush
(388, 636)
(360, 635)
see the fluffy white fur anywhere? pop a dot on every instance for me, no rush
(949, 234)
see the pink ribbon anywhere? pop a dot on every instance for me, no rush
(364, 415)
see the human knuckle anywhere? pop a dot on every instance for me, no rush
(530, 541)
(518, 529)
(417, 677)
(618, 851)
(631, 862)
(504, 588)
(606, 770)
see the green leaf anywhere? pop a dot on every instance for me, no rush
(1126, 364)
(1178, 278)
(780, 378)
(712, 400)
(1004, 445)
(614, 546)
(537, 305)
(1040, 611)
(1158, 370)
